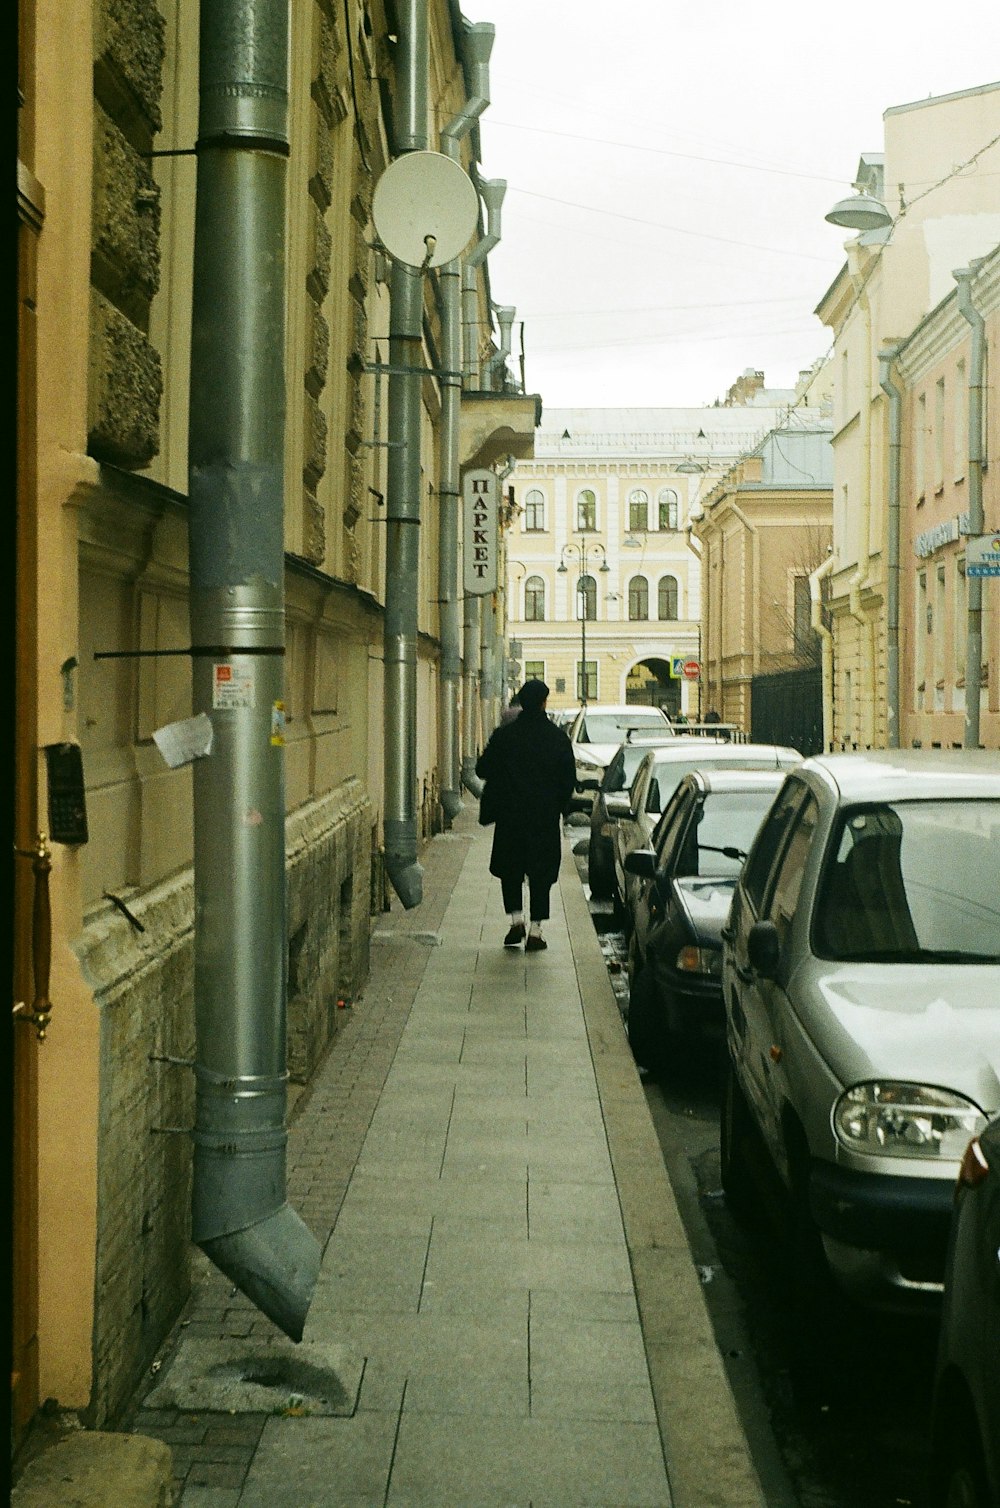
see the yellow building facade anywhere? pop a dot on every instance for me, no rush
(107, 175)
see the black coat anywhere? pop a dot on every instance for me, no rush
(529, 768)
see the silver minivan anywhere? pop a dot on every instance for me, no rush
(861, 983)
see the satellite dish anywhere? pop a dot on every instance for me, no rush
(425, 209)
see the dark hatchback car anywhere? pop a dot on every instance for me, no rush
(685, 888)
(607, 810)
(965, 1470)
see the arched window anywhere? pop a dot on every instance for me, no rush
(667, 598)
(638, 510)
(534, 600)
(638, 599)
(534, 511)
(668, 509)
(586, 598)
(586, 511)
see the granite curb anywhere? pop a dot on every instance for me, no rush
(708, 1458)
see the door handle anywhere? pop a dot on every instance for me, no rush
(744, 972)
(39, 1013)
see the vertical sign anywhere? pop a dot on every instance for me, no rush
(480, 493)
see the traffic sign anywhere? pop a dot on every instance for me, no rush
(691, 670)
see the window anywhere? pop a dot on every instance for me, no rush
(586, 598)
(534, 670)
(939, 433)
(788, 879)
(534, 511)
(769, 840)
(667, 505)
(922, 628)
(803, 632)
(960, 436)
(666, 599)
(586, 511)
(638, 599)
(586, 680)
(534, 600)
(638, 510)
(919, 447)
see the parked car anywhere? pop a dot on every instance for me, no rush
(655, 781)
(685, 888)
(611, 801)
(965, 1433)
(861, 977)
(596, 734)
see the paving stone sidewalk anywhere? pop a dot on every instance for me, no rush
(504, 1270)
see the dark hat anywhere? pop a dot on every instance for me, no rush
(531, 695)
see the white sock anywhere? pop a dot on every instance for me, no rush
(517, 918)
(535, 930)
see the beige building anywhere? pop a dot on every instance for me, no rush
(107, 174)
(603, 587)
(763, 529)
(935, 177)
(934, 369)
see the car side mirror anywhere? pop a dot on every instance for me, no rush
(764, 949)
(617, 804)
(641, 862)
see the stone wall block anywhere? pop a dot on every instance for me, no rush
(125, 387)
(326, 90)
(316, 434)
(126, 222)
(360, 278)
(319, 352)
(321, 251)
(129, 45)
(314, 528)
(321, 176)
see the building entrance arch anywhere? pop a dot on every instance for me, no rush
(649, 683)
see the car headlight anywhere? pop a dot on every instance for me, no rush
(691, 960)
(906, 1120)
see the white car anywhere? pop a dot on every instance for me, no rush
(598, 733)
(861, 979)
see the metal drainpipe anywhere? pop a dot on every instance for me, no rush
(487, 684)
(866, 650)
(826, 641)
(240, 1216)
(402, 546)
(895, 396)
(492, 191)
(973, 584)
(478, 44)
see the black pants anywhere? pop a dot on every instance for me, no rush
(512, 887)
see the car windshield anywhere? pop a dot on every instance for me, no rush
(668, 773)
(611, 727)
(728, 821)
(913, 882)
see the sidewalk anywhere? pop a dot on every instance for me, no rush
(507, 1311)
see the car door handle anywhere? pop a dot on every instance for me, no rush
(727, 934)
(744, 972)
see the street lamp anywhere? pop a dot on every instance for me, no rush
(582, 552)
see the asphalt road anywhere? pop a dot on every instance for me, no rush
(836, 1405)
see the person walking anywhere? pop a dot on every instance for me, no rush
(530, 775)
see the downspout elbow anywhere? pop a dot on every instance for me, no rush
(274, 1262)
(405, 874)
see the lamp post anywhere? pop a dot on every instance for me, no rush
(583, 552)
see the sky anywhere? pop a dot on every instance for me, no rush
(669, 167)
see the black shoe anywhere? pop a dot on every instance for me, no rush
(515, 937)
(535, 943)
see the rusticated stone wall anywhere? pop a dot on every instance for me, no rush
(126, 380)
(143, 987)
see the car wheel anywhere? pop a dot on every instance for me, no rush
(643, 1036)
(959, 1475)
(600, 872)
(735, 1130)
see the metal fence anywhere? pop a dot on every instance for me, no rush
(788, 709)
